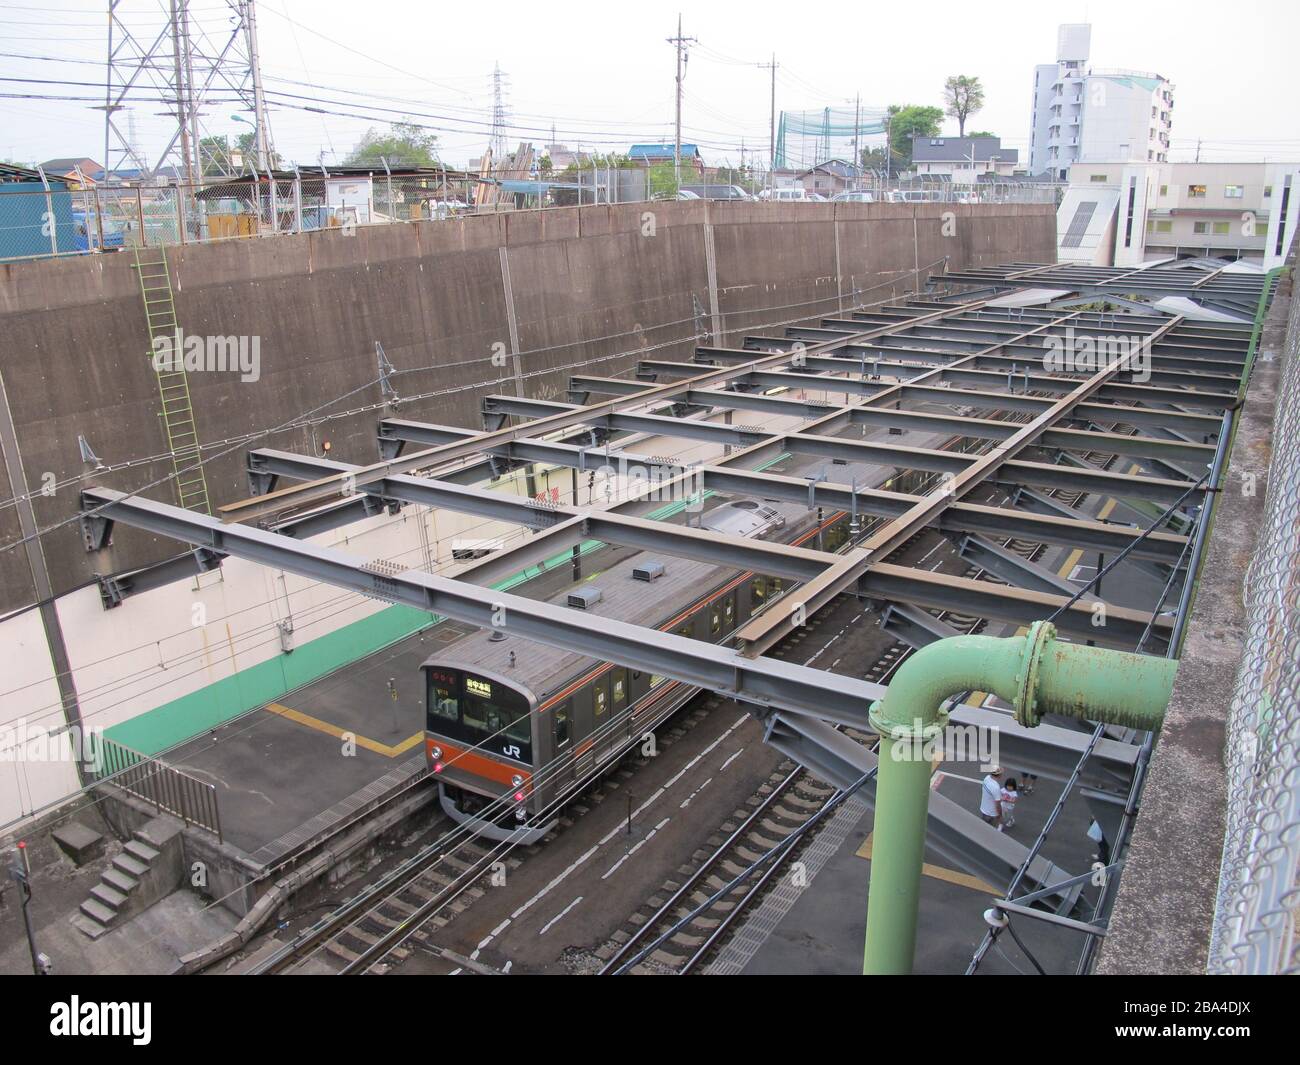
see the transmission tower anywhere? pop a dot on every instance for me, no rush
(499, 145)
(199, 70)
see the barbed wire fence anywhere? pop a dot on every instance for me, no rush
(1258, 901)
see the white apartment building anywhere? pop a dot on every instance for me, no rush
(1127, 214)
(1084, 114)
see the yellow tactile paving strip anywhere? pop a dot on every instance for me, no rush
(387, 750)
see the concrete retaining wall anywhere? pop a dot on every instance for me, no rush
(75, 357)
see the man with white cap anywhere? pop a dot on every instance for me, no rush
(991, 797)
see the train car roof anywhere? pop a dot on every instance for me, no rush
(543, 669)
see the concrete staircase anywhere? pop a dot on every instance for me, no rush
(147, 869)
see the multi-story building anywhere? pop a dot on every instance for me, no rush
(1083, 114)
(1126, 213)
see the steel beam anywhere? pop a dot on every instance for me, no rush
(1013, 568)
(955, 834)
(328, 488)
(762, 632)
(1066, 528)
(1118, 627)
(736, 552)
(765, 681)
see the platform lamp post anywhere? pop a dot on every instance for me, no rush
(22, 875)
(257, 189)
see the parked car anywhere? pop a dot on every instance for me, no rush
(915, 196)
(86, 232)
(446, 208)
(795, 195)
(854, 197)
(687, 194)
(718, 192)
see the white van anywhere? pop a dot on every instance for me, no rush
(798, 195)
(915, 196)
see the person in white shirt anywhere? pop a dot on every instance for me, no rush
(1009, 797)
(991, 797)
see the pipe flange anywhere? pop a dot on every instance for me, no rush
(913, 731)
(1026, 704)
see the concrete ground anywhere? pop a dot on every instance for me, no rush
(822, 934)
(151, 942)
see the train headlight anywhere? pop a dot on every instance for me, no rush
(517, 781)
(435, 753)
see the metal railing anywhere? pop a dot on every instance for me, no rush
(167, 789)
(1258, 901)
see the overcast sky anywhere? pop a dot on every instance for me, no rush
(602, 74)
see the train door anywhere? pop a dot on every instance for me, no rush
(618, 719)
(560, 769)
(728, 606)
(584, 725)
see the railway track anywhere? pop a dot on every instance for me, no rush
(432, 887)
(784, 805)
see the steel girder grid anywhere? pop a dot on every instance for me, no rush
(938, 353)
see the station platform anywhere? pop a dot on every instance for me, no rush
(289, 770)
(820, 929)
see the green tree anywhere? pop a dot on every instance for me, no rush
(730, 175)
(905, 122)
(406, 145)
(963, 95)
(663, 180)
(873, 159)
(982, 133)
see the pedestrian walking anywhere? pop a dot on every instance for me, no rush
(1098, 837)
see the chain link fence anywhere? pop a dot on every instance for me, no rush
(63, 220)
(1258, 899)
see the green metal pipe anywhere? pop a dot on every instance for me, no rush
(1038, 675)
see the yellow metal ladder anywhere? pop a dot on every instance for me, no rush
(173, 384)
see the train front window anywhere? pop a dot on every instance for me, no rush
(482, 713)
(444, 698)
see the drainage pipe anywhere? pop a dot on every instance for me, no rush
(1038, 675)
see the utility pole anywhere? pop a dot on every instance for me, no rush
(1198, 149)
(771, 166)
(680, 43)
(857, 155)
(889, 148)
(180, 51)
(263, 129)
